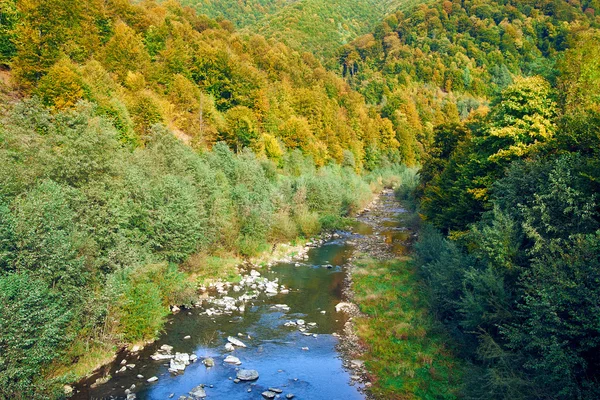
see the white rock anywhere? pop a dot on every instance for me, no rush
(232, 360)
(235, 342)
(229, 347)
(153, 379)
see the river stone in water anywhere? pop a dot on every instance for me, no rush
(198, 392)
(247, 375)
(235, 341)
(269, 395)
(232, 360)
(209, 362)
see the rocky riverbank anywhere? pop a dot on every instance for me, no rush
(381, 221)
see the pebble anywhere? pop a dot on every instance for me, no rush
(153, 379)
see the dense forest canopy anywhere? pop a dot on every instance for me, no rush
(316, 26)
(150, 63)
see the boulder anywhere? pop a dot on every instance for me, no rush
(235, 342)
(247, 375)
(198, 392)
(232, 360)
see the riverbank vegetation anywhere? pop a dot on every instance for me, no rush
(408, 353)
(93, 231)
(513, 263)
(143, 150)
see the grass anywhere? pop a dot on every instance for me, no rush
(204, 269)
(408, 356)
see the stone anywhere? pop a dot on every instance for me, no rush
(300, 322)
(236, 380)
(175, 309)
(247, 375)
(130, 366)
(289, 396)
(161, 356)
(140, 376)
(305, 348)
(68, 389)
(198, 392)
(187, 337)
(136, 348)
(235, 342)
(123, 362)
(153, 379)
(166, 347)
(123, 369)
(268, 394)
(232, 360)
(179, 362)
(323, 312)
(254, 274)
(209, 362)
(275, 390)
(229, 347)
(345, 307)
(193, 357)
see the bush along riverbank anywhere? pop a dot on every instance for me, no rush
(396, 344)
(98, 240)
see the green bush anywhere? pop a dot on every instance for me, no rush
(34, 324)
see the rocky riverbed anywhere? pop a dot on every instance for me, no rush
(283, 331)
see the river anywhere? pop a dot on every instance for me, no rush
(299, 359)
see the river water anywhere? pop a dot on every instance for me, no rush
(305, 364)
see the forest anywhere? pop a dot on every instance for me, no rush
(146, 147)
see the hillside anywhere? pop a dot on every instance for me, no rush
(315, 26)
(144, 150)
(241, 13)
(441, 62)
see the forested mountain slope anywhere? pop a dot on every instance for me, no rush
(438, 62)
(241, 13)
(315, 26)
(117, 198)
(149, 63)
